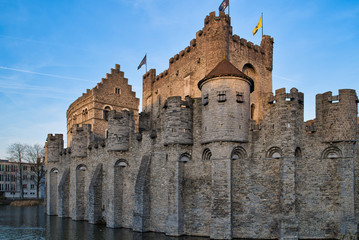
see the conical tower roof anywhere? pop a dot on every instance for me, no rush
(225, 68)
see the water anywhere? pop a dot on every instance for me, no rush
(22, 223)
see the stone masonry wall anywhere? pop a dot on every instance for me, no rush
(283, 179)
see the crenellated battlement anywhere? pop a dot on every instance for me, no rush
(342, 98)
(282, 96)
(212, 18)
(83, 128)
(54, 137)
(176, 102)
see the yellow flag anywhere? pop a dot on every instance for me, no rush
(259, 25)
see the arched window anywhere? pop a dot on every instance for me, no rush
(239, 153)
(207, 155)
(298, 153)
(81, 167)
(331, 153)
(274, 152)
(106, 111)
(121, 163)
(249, 70)
(185, 157)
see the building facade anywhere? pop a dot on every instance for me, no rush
(215, 153)
(10, 180)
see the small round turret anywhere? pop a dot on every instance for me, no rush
(225, 104)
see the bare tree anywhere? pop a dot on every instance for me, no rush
(35, 155)
(17, 153)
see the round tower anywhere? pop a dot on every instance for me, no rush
(225, 104)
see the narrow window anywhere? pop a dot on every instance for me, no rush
(253, 107)
(106, 110)
(221, 96)
(240, 97)
(205, 100)
(118, 91)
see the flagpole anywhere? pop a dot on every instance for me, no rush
(262, 25)
(228, 9)
(146, 59)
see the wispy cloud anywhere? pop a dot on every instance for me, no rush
(46, 74)
(285, 78)
(19, 86)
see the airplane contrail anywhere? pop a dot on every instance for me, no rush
(45, 74)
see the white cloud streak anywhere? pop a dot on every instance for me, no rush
(45, 74)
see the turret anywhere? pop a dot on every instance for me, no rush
(337, 115)
(54, 145)
(80, 140)
(225, 104)
(119, 126)
(178, 121)
(287, 109)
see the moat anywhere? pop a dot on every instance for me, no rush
(32, 223)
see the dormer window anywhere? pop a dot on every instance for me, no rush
(222, 96)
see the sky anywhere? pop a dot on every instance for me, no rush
(52, 51)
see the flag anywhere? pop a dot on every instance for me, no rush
(259, 25)
(144, 61)
(223, 5)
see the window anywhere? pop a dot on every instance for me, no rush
(206, 155)
(221, 96)
(1, 187)
(32, 168)
(24, 168)
(253, 107)
(240, 97)
(32, 177)
(24, 186)
(32, 186)
(106, 110)
(205, 100)
(118, 91)
(24, 177)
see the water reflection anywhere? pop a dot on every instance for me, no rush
(31, 223)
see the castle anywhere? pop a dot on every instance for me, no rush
(213, 153)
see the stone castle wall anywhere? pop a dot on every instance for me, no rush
(273, 177)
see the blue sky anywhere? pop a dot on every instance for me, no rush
(52, 51)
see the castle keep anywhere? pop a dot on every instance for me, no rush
(213, 153)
